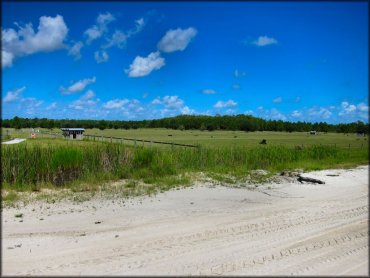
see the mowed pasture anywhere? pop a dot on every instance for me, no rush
(236, 138)
(216, 139)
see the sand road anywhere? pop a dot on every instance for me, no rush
(276, 229)
(14, 141)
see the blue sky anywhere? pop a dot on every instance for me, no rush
(295, 61)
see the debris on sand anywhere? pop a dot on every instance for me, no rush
(311, 180)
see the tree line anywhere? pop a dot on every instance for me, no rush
(185, 122)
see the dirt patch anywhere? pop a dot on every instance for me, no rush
(282, 229)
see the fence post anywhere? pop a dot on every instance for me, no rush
(349, 146)
(172, 145)
(135, 143)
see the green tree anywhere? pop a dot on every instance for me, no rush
(17, 123)
(102, 125)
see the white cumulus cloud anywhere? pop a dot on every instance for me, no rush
(115, 103)
(86, 100)
(97, 30)
(176, 40)
(209, 92)
(187, 111)
(49, 36)
(52, 106)
(224, 104)
(6, 59)
(14, 95)
(277, 115)
(239, 73)
(101, 56)
(264, 40)
(156, 101)
(352, 112)
(139, 25)
(77, 86)
(296, 114)
(119, 38)
(347, 108)
(362, 107)
(171, 106)
(142, 66)
(75, 50)
(249, 112)
(172, 102)
(272, 114)
(31, 105)
(319, 112)
(277, 100)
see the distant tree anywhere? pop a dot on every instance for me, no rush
(361, 128)
(102, 125)
(211, 127)
(201, 122)
(17, 123)
(50, 124)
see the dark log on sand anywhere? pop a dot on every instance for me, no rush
(302, 179)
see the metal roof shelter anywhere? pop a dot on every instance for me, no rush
(73, 132)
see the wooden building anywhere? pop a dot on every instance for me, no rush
(73, 133)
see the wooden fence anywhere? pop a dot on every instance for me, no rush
(122, 140)
(50, 134)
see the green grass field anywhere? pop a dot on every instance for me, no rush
(222, 138)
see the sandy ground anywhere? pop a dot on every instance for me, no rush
(276, 229)
(14, 141)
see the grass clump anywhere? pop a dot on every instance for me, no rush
(83, 167)
(10, 197)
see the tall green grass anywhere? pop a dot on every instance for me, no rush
(63, 164)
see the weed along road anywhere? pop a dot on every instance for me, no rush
(281, 228)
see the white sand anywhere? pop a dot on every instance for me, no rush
(287, 229)
(14, 141)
